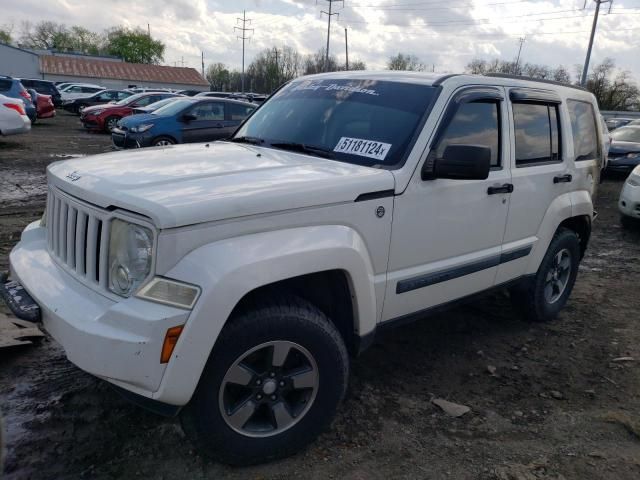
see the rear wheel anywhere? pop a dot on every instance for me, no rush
(163, 141)
(110, 123)
(271, 385)
(541, 298)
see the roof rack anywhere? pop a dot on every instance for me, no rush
(532, 79)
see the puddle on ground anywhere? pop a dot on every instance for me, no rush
(20, 186)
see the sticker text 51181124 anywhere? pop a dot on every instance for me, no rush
(363, 148)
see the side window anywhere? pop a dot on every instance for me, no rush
(143, 102)
(122, 95)
(104, 97)
(208, 111)
(476, 123)
(239, 112)
(583, 127)
(537, 134)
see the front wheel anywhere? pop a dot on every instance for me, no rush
(541, 298)
(110, 123)
(162, 142)
(272, 383)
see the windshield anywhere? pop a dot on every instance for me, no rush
(627, 134)
(366, 122)
(173, 107)
(159, 104)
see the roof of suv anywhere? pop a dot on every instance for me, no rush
(435, 79)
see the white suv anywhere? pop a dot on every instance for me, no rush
(230, 281)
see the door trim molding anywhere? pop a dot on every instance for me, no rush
(440, 276)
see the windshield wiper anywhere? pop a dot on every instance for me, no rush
(245, 139)
(301, 147)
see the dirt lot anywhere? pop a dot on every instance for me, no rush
(560, 404)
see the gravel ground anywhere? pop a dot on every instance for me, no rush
(547, 401)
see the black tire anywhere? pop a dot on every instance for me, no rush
(286, 318)
(78, 109)
(629, 223)
(110, 122)
(530, 298)
(162, 141)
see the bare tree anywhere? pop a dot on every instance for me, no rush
(6, 32)
(614, 91)
(405, 61)
(315, 63)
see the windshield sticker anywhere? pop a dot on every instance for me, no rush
(363, 148)
(334, 86)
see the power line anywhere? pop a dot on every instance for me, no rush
(243, 37)
(329, 14)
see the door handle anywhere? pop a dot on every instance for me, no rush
(504, 188)
(563, 178)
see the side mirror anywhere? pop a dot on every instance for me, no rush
(463, 162)
(188, 117)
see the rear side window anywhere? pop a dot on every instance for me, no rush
(476, 123)
(537, 130)
(5, 84)
(583, 127)
(239, 112)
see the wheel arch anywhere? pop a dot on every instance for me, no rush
(581, 225)
(170, 137)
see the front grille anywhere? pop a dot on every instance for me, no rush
(78, 236)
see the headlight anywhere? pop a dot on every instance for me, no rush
(130, 254)
(633, 155)
(170, 292)
(142, 128)
(633, 180)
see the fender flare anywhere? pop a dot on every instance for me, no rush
(227, 270)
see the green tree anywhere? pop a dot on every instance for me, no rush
(613, 89)
(84, 40)
(406, 61)
(45, 35)
(5, 33)
(218, 76)
(133, 45)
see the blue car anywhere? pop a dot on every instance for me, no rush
(11, 87)
(185, 120)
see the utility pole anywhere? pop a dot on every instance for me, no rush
(275, 49)
(346, 49)
(585, 70)
(243, 37)
(202, 64)
(521, 40)
(329, 14)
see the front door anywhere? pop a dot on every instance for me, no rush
(207, 124)
(447, 234)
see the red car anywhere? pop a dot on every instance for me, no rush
(44, 106)
(105, 117)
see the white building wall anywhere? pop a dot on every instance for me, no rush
(15, 62)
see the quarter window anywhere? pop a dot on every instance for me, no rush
(475, 123)
(583, 127)
(537, 134)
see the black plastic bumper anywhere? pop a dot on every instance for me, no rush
(18, 300)
(154, 406)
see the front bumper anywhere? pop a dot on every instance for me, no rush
(92, 122)
(122, 139)
(21, 126)
(116, 339)
(629, 202)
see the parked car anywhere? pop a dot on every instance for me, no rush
(606, 142)
(624, 152)
(240, 275)
(615, 122)
(633, 123)
(629, 202)
(214, 94)
(76, 105)
(11, 87)
(149, 90)
(105, 117)
(43, 103)
(185, 120)
(79, 90)
(152, 107)
(44, 87)
(13, 117)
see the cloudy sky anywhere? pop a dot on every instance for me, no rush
(443, 34)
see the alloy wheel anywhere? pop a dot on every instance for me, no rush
(557, 277)
(268, 389)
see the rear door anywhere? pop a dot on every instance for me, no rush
(588, 144)
(541, 174)
(208, 123)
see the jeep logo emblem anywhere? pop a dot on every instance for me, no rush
(73, 176)
(380, 211)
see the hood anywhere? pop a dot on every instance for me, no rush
(139, 118)
(618, 146)
(190, 184)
